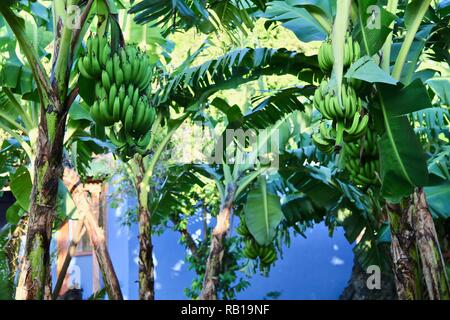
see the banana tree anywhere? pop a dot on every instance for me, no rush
(25, 143)
(55, 97)
(388, 63)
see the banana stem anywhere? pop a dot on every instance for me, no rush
(339, 31)
(386, 58)
(339, 133)
(411, 33)
(145, 184)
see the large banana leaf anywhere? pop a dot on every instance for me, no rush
(173, 192)
(402, 159)
(310, 20)
(185, 14)
(438, 200)
(233, 69)
(262, 213)
(266, 110)
(21, 187)
(373, 27)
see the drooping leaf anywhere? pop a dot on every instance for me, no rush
(367, 70)
(296, 17)
(441, 86)
(21, 186)
(237, 67)
(373, 26)
(262, 213)
(402, 160)
(79, 111)
(438, 199)
(401, 101)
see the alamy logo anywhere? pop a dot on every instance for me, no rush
(73, 17)
(374, 280)
(374, 20)
(232, 146)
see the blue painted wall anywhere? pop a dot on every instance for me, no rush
(314, 268)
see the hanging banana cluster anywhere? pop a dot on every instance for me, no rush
(122, 80)
(352, 52)
(98, 54)
(363, 173)
(348, 124)
(252, 250)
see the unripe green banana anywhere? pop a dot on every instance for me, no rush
(135, 99)
(106, 82)
(83, 70)
(106, 55)
(126, 104)
(96, 69)
(139, 116)
(128, 121)
(112, 96)
(109, 67)
(95, 112)
(121, 94)
(116, 109)
(127, 73)
(87, 64)
(362, 126)
(106, 115)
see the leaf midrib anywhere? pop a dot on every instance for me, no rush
(266, 206)
(392, 141)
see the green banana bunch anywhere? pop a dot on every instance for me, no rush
(98, 53)
(352, 52)
(242, 229)
(267, 255)
(122, 104)
(363, 172)
(323, 139)
(357, 128)
(251, 249)
(326, 59)
(327, 102)
(366, 146)
(127, 144)
(127, 67)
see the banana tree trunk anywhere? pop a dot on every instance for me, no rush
(217, 251)
(35, 266)
(433, 265)
(96, 234)
(146, 266)
(403, 251)
(416, 253)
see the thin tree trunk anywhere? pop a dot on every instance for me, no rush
(416, 252)
(433, 265)
(96, 234)
(189, 242)
(186, 236)
(35, 266)
(215, 258)
(403, 251)
(146, 266)
(70, 252)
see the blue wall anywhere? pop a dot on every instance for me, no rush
(314, 268)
